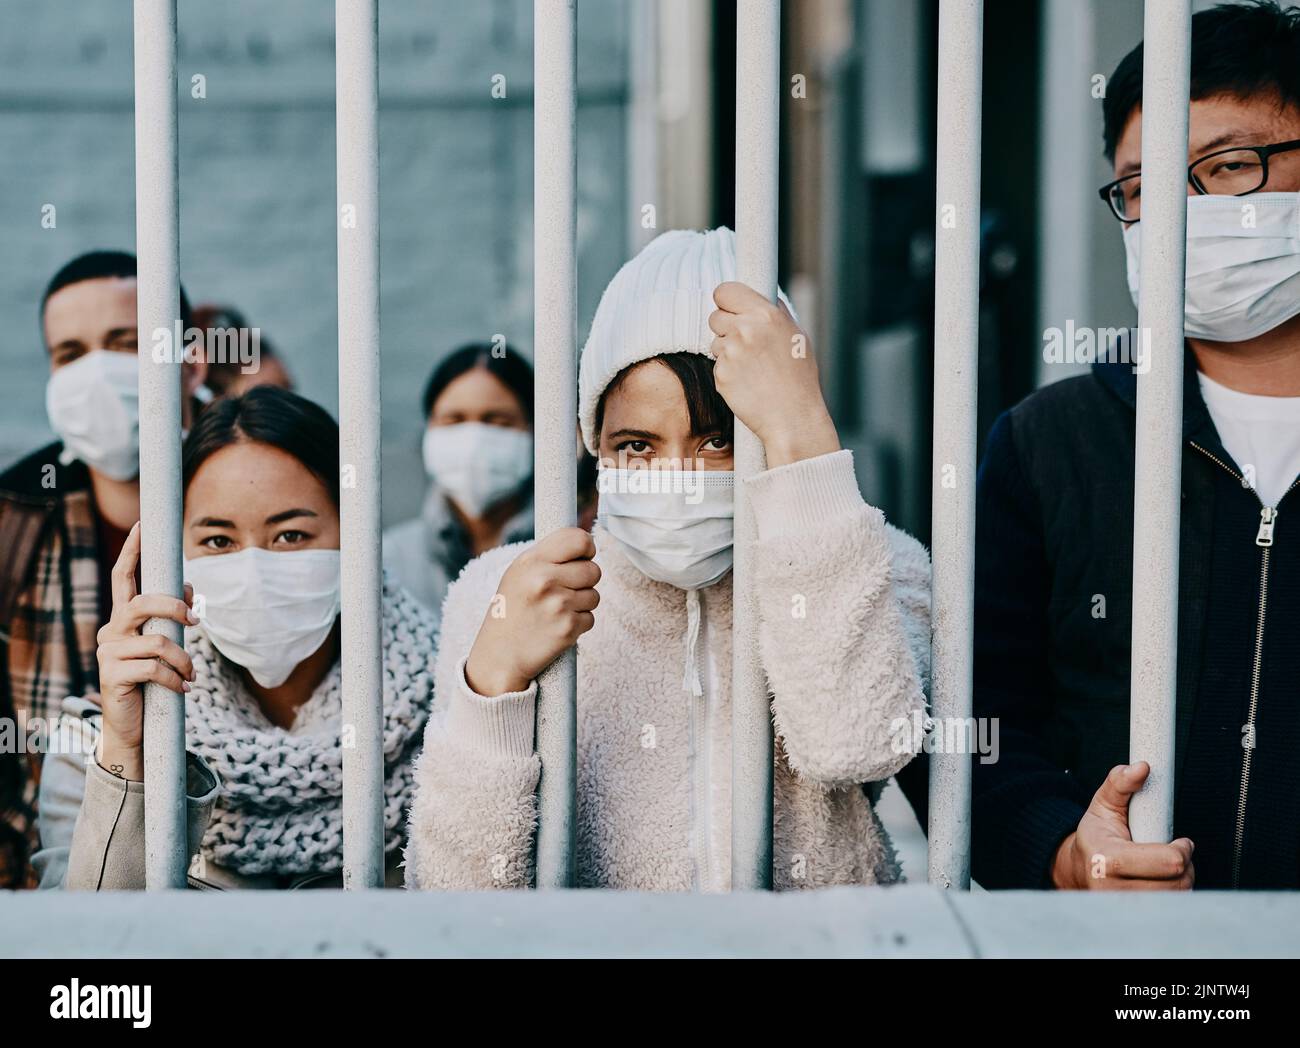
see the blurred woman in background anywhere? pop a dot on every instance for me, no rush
(259, 674)
(478, 454)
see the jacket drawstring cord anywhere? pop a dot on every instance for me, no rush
(691, 679)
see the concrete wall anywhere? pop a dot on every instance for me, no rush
(257, 181)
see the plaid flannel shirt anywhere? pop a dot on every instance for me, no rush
(49, 608)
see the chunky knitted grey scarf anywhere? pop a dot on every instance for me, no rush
(280, 808)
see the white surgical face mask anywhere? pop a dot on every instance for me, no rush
(1243, 264)
(266, 611)
(476, 464)
(674, 525)
(93, 405)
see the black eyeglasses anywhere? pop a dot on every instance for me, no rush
(1238, 171)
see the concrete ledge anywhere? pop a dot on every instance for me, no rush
(1131, 924)
(904, 921)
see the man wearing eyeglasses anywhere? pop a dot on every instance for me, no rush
(1055, 526)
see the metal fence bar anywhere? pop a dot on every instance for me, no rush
(758, 111)
(956, 368)
(643, 121)
(555, 309)
(157, 236)
(1157, 477)
(357, 132)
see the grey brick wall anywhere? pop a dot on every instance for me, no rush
(257, 180)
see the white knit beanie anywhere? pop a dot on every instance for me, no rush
(659, 302)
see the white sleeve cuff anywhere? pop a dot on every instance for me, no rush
(499, 724)
(801, 496)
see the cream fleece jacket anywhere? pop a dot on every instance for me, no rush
(844, 641)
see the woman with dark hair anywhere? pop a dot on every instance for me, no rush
(478, 454)
(259, 673)
(842, 616)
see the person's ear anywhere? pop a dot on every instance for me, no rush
(193, 374)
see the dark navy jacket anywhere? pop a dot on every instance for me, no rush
(1053, 621)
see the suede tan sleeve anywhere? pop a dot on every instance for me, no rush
(107, 851)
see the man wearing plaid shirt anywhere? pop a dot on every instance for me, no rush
(65, 511)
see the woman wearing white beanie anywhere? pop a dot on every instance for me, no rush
(675, 348)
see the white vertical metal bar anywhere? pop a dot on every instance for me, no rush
(643, 123)
(157, 236)
(685, 113)
(555, 309)
(1068, 161)
(1157, 478)
(956, 367)
(758, 110)
(357, 130)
